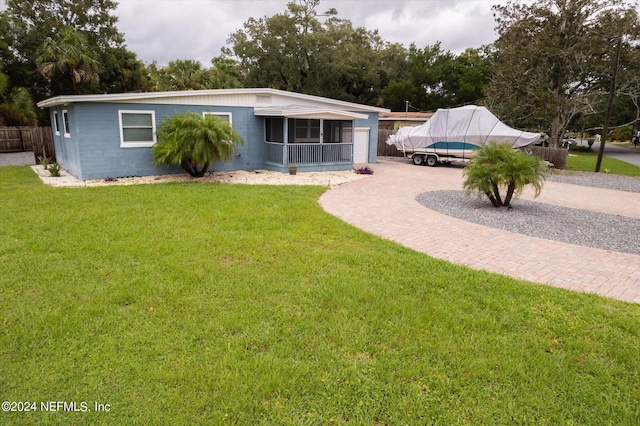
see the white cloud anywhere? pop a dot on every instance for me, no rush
(197, 29)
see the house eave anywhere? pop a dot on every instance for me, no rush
(295, 111)
(149, 97)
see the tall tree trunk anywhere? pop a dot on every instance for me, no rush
(556, 132)
(612, 92)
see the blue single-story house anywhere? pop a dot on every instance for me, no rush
(110, 135)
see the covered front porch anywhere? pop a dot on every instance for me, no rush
(308, 138)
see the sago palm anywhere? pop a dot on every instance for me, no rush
(497, 166)
(193, 142)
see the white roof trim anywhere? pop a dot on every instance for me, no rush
(297, 111)
(150, 96)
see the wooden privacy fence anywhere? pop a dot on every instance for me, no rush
(15, 139)
(556, 156)
(385, 150)
(43, 146)
(21, 139)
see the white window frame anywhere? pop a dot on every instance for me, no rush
(65, 123)
(141, 144)
(226, 114)
(56, 123)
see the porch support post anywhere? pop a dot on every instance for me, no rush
(285, 150)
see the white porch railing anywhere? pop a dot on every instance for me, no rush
(309, 153)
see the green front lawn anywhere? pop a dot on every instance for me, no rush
(586, 161)
(211, 304)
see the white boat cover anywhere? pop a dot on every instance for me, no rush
(469, 125)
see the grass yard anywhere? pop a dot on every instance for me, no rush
(216, 304)
(586, 161)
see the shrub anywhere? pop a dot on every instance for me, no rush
(193, 142)
(364, 171)
(623, 133)
(44, 160)
(580, 148)
(498, 166)
(54, 169)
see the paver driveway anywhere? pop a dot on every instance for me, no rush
(384, 204)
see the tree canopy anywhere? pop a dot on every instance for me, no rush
(68, 53)
(549, 69)
(552, 59)
(299, 52)
(66, 38)
(16, 105)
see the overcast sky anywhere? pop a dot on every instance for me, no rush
(165, 30)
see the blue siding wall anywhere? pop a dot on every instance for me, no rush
(93, 149)
(67, 153)
(372, 124)
(95, 139)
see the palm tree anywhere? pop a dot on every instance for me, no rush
(16, 106)
(70, 54)
(496, 166)
(185, 74)
(225, 73)
(193, 142)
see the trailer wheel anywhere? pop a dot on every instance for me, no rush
(418, 160)
(432, 161)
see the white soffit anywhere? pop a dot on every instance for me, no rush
(295, 111)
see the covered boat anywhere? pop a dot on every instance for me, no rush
(455, 133)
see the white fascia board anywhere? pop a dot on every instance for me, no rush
(149, 96)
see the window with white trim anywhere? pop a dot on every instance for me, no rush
(222, 115)
(65, 123)
(137, 128)
(56, 124)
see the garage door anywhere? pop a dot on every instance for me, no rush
(361, 145)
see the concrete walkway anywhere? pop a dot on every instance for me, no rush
(384, 204)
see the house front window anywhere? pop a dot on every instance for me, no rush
(223, 115)
(65, 124)
(56, 124)
(137, 128)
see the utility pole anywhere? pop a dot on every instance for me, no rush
(612, 92)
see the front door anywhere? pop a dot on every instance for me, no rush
(361, 146)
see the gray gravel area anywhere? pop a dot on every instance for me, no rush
(17, 158)
(557, 223)
(597, 180)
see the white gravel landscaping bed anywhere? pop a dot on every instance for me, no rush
(257, 177)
